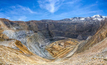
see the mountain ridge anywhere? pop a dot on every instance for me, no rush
(94, 17)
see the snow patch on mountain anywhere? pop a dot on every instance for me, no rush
(97, 16)
(82, 19)
(93, 18)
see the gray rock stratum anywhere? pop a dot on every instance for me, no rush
(60, 29)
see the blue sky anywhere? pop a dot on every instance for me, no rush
(51, 9)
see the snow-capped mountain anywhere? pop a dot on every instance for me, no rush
(94, 18)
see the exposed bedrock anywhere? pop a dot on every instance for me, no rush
(35, 41)
(56, 29)
(37, 35)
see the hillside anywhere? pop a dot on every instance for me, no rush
(52, 42)
(100, 35)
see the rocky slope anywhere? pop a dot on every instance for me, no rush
(34, 42)
(59, 29)
(99, 36)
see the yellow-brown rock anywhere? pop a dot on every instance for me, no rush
(60, 48)
(23, 48)
(14, 57)
(2, 28)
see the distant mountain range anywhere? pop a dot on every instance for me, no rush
(93, 18)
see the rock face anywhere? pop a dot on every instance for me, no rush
(37, 44)
(56, 29)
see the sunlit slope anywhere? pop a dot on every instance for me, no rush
(99, 36)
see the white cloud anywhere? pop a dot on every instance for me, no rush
(18, 9)
(17, 12)
(22, 18)
(50, 5)
(26, 9)
(77, 11)
(67, 8)
(72, 2)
